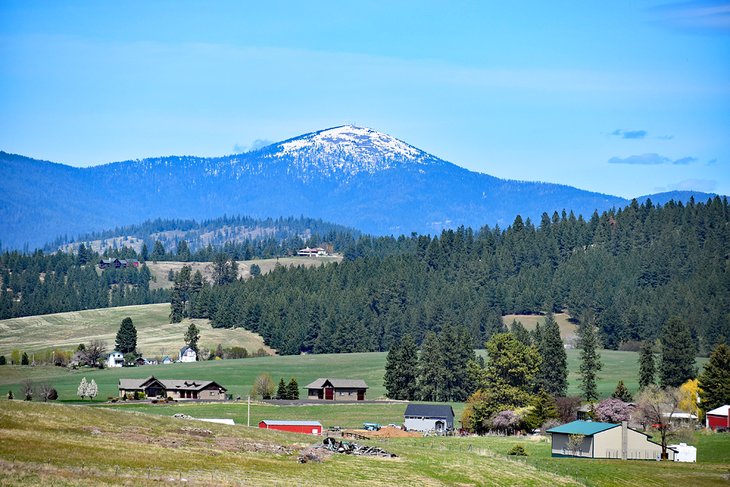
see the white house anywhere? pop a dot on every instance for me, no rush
(116, 359)
(166, 360)
(187, 354)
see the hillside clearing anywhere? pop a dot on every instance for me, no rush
(568, 329)
(156, 336)
(160, 270)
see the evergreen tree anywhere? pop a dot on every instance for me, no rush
(192, 335)
(520, 332)
(24, 359)
(2, 360)
(126, 341)
(144, 254)
(401, 370)
(714, 381)
(281, 391)
(543, 409)
(553, 376)
(590, 360)
(647, 365)
(678, 354)
(183, 251)
(292, 389)
(430, 371)
(622, 393)
(158, 251)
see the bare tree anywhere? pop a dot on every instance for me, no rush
(44, 391)
(27, 388)
(575, 444)
(94, 351)
(263, 387)
(656, 407)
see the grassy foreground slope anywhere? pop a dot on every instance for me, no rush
(75, 445)
(156, 336)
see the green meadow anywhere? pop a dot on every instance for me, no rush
(62, 444)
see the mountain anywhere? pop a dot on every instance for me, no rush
(349, 175)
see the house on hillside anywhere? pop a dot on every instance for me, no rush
(429, 417)
(176, 389)
(305, 427)
(118, 263)
(187, 354)
(337, 389)
(315, 252)
(115, 359)
(718, 418)
(166, 360)
(592, 439)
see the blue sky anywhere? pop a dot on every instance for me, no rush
(622, 97)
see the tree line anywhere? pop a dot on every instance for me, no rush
(627, 269)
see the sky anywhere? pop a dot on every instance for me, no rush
(624, 97)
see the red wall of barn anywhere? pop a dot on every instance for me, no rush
(307, 430)
(718, 421)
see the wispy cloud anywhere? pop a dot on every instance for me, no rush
(630, 134)
(699, 15)
(651, 159)
(704, 185)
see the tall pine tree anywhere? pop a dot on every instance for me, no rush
(553, 377)
(678, 354)
(126, 340)
(647, 365)
(714, 381)
(590, 360)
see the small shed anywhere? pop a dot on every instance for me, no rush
(685, 453)
(304, 427)
(718, 418)
(429, 417)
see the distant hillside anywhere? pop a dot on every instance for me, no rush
(349, 175)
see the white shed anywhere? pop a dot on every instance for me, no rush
(685, 453)
(116, 359)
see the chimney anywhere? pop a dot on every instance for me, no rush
(624, 440)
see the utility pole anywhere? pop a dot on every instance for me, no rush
(248, 421)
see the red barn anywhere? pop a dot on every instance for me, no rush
(305, 427)
(718, 418)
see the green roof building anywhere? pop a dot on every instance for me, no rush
(590, 439)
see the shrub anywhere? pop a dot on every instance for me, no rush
(52, 394)
(10, 395)
(518, 450)
(136, 395)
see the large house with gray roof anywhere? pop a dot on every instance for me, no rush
(337, 389)
(428, 417)
(205, 390)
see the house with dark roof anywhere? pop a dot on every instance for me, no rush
(592, 439)
(206, 390)
(187, 354)
(429, 417)
(337, 389)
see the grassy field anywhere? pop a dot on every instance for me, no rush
(238, 375)
(59, 444)
(155, 335)
(160, 270)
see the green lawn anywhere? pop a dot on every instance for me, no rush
(156, 336)
(57, 444)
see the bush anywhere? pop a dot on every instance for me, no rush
(136, 395)
(518, 450)
(52, 394)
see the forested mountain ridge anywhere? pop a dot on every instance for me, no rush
(348, 175)
(627, 270)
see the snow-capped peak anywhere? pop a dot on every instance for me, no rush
(349, 150)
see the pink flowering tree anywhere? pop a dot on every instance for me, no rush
(612, 411)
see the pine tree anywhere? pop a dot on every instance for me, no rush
(192, 335)
(292, 389)
(281, 391)
(543, 409)
(622, 393)
(401, 370)
(590, 360)
(520, 332)
(83, 389)
(126, 341)
(158, 251)
(714, 381)
(430, 371)
(647, 365)
(24, 360)
(678, 354)
(553, 375)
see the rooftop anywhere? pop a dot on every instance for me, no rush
(579, 427)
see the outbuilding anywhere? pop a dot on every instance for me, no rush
(718, 418)
(304, 427)
(116, 359)
(590, 439)
(429, 417)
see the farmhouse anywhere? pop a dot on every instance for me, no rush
(590, 439)
(118, 263)
(187, 354)
(305, 427)
(176, 389)
(718, 418)
(428, 417)
(116, 359)
(315, 252)
(337, 389)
